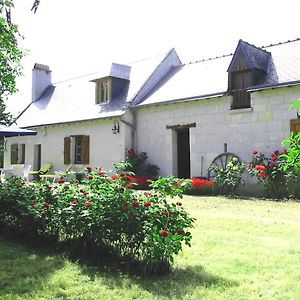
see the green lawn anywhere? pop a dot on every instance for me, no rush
(241, 249)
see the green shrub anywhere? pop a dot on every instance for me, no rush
(228, 178)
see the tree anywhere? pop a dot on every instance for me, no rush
(10, 59)
(296, 104)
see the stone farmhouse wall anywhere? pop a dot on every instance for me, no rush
(261, 127)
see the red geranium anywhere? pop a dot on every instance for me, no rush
(135, 204)
(87, 204)
(46, 204)
(262, 174)
(146, 204)
(49, 187)
(33, 203)
(89, 168)
(254, 152)
(125, 204)
(129, 186)
(61, 180)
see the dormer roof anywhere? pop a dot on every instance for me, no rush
(255, 58)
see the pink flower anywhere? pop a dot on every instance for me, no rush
(254, 152)
(89, 168)
(87, 204)
(250, 165)
(276, 152)
(73, 202)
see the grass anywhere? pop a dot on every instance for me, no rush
(241, 249)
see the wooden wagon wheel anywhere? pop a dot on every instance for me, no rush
(222, 161)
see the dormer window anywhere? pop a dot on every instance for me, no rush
(103, 90)
(248, 68)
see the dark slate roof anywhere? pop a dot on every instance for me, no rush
(257, 58)
(209, 78)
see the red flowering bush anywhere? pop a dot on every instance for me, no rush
(104, 212)
(269, 173)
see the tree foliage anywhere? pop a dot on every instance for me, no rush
(10, 58)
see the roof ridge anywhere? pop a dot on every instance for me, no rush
(281, 43)
(230, 54)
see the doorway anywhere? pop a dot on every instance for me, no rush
(37, 156)
(183, 153)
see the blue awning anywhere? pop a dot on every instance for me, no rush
(15, 131)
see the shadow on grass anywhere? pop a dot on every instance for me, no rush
(177, 284)
(23, 270)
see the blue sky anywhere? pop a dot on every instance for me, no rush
(79, 37)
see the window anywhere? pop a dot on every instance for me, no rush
(295, 125)
(103, 90)
(77, 149)
(17, 154)
(239, 81)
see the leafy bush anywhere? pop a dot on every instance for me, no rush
(229, 178)
(290, 163)
(105, 212)
(137, 164)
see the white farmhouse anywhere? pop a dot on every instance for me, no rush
(182, 114)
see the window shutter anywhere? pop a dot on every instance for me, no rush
(22, 154)
(295, 125)
(86, 149)
(67, 150)
(14, 154)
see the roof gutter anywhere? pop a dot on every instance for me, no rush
(180, 100)
(274, 86)
(71, 122)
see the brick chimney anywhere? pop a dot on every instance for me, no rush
(41, 79)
